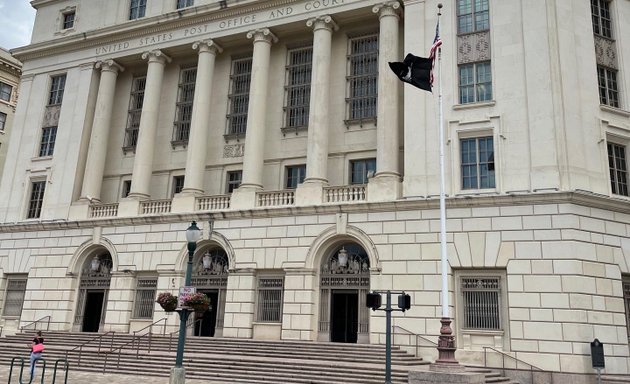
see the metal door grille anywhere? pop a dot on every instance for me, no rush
(298, 89)
(482, 302)
(183, 114)
(270, 299)
(16, 288)
(363, 77)
(135, 111)
(145, 297)
(239, 95)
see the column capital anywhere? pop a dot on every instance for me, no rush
(388, 8)
(207, 46)
(322, 22)
(109, 65)
(156, 56)
(262, 34)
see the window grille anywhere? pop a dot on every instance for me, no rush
(5, 91)
(234, 179)
(126, 188)
(600, 13)
(137, 8)
(68, 20)
(472, 16)
(145, 297)
(47, 145)
(183, 113)
(3, 120)
(295, 176)
(57, 85)
(625, 281)
(270, 291)
(37, 199)
(361, 170)
(239, 96)
(185, 3)
(178, 184)
(135, 111)
(481, 302)
(477, 157)
(618, 166)
(608, 90)
(363, 77)
(16, 287)
(475, 82)
(298, 89)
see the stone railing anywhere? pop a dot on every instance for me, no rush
(155, 206)
(275, 198)
(213, 203)
(103, 210)
(345, 193)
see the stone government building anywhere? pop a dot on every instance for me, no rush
(279, 127)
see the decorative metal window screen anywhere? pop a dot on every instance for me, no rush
(477, 157)
(270, 291)
(135, 111)
(137, 9)
(239, 95)
(472, 16)
(618, 166)
(145, 297)
(298, 89)
(16, 288)
(183, 113)
(57, 85)
(608, 90)
(126, 188)
(178, 184)
(3, 120)
(481, 302)
(295, 176)
(600, 13)
(363, 77)
(5, 91)
(47, 145)
(185, 3)
(359, 170)
(234, 179)
(626, 299)
(68, 20)
(37, 199)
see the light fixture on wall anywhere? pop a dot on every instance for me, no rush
(95, 264)
(207, 260)
(342, 257)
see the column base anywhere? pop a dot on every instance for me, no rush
(310, 192)
(178, 375)
(384, 187)
(244, 197)
(128, 207)
(79, 210)
(184, 203)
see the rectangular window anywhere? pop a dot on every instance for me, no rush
(481, 296)
(137, 8)
(600, 13)
(183, 111)
(145, 298)
(608, 91)
(57, 85)
(5, 91)
(14, 299)
(234, 179)
(298, 89)
(472, 16)
(126, 188)
(47, 145)
(270, 291)
(239, 96)
(36, 200)
(618, 166)
(477, 156)
(178, 184)
(363, 77)
(625, 282)
(295, 175)
(3, 120)
(185, 3)
(135, 110)
(68, 20)
(475, 82)
(361, 170)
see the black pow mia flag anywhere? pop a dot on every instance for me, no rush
(414, 70)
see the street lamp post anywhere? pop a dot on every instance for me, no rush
(178, 375)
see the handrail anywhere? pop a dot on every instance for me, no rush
(417, 336)
(503, 354)
(150, 326)
(37, 321)
(189, 323)
(120, 349)
(100, 341)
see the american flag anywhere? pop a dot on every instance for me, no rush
(436, 44)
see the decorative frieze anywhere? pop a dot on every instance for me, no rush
(473, 47)
(605, 52)
(234, 150)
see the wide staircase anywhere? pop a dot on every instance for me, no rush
(225, 360)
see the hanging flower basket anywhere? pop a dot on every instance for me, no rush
(198, 302)
(200, 308)
(167, 301)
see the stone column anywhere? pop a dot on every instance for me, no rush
(143, 163)
(97, 151)
(311, 191)
(386, 184)
(245, 195)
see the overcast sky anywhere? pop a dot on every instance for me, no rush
(16, 23)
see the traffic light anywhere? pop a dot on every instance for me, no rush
(404, 302)
(373, 300)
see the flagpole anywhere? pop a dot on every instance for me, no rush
(446, 340)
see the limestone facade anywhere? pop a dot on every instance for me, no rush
(10, 71)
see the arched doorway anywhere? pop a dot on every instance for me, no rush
(344, 283)
(210, 274)
(96, 274)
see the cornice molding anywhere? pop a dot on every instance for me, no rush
(582, 198)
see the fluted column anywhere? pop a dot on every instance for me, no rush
(143, 162)
(198, 139)
(386, 183)
(97, 150)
